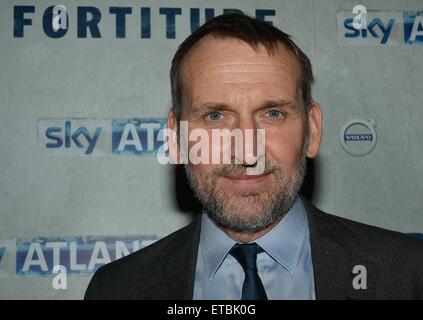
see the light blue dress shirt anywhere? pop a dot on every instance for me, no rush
(285, 268)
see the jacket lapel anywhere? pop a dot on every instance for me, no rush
(174, 270)
(335, 253)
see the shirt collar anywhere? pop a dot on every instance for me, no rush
(215, 244)
(283, 243)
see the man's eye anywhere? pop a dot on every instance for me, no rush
(214, 116)
(274, 114)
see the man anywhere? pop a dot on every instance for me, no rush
(257, 238)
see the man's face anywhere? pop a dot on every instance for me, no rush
(229, 85)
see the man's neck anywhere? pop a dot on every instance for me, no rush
(243, 237)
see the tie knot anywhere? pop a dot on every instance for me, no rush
(246, 255)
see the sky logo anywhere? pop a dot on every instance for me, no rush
(68, 136)
(74, 137)
(376, 29)
(380, 28)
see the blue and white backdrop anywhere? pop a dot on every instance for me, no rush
(81, 111)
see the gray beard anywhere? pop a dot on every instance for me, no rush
(273, 208)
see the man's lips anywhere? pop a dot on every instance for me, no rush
(248, 181)
(247, 177)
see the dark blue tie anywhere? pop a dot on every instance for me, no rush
(246, 255)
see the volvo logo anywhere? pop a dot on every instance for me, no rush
(358, 136)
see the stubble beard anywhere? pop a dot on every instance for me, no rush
(247, 211)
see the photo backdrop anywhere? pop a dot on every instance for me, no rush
(81, 109)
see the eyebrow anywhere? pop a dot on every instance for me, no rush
(219, 106)
(285, 104)
(210, 106)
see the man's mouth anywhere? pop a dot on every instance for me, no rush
(248, 181)
(247, 177)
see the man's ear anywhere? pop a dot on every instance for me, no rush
(314, 116)
(171, 120)
(172, 126)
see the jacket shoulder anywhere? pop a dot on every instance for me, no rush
(360, 234)
(120, 279)
(397, 256)
(377, 238)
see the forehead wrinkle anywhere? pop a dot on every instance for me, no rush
(237, 64)
(225, 43)
(223, 57)
(204, 64)
(281, 74)
(260, 51)
(200, 57)
(238, 67)
(245, 78)
(232, 69)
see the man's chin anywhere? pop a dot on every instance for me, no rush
(243, 213)
(245, 208)
(244, 221)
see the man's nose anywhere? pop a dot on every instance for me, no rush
(248, 127)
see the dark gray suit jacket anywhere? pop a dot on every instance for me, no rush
(166, 269)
